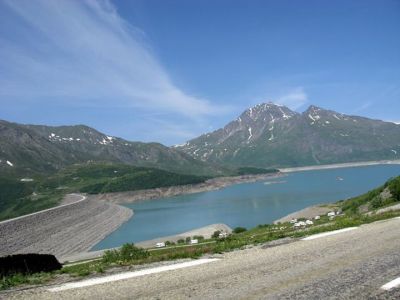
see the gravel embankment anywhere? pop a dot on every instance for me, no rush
(64, 230)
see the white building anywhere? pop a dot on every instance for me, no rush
(292, 221)
(309, 222)
(317, 217)
(194, 242)
(331, 214)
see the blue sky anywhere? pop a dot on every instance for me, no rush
(168, 70)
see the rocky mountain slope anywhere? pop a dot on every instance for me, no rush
(27, 149)
(270, 135)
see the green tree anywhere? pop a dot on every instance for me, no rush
(239, 230)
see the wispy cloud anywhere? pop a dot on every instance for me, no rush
(364, 106)
(294, 98)
(85, 52)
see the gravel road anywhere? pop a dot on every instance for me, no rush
(64, 230)
(349, 265)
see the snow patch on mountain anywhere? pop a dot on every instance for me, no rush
(174, 146)
(250, 134)
(284, 116)
(272, 136)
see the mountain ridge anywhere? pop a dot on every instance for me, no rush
(266, 135)
(271, 135)
(32, 149)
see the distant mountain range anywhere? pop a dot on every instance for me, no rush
(32, 149)
(266, 135)
(270, 135)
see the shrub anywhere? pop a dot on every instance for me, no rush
(127, 253)
(110, 256)
(188, 239)
(181, 241)
(239, 230)
(130, 252)
(376, 202)
(198, 237)
(215, 235)
(28, 264)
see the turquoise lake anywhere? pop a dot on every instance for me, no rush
(246, 204)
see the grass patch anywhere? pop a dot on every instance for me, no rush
(20, 279)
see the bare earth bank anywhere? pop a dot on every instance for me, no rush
(209, 185)
(342, 165)
(308, 212)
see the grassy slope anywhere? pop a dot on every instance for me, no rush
(18, 198)
(374, 199)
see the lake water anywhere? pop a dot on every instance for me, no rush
(246, 204)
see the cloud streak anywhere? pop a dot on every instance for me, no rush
(294, 99)
(364, 106)
(85, 52)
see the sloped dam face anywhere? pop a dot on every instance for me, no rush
(247, 204)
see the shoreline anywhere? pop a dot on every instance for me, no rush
(340, 165)
(209, 185)
(205, 231)
(308, 212)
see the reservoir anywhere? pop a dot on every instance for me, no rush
(246, 204)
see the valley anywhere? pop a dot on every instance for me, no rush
(40, 164)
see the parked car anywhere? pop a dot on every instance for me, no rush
(160, 245)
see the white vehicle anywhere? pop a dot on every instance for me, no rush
(160, 245)
(194, 242)
(223, 235)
